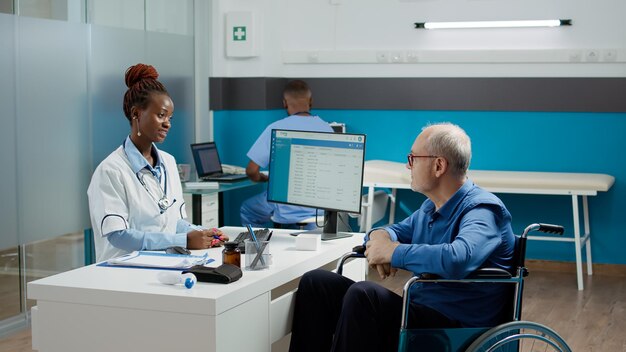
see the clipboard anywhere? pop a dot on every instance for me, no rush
(157, 260)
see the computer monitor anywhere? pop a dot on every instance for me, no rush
(322, 170)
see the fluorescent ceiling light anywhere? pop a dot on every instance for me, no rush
(493, 24)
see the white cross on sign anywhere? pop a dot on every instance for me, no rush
(239, 33)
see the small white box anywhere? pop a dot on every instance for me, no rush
(308, 242)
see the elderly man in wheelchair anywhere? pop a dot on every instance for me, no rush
(458, 229)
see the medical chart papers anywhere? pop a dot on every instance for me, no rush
(145, 259)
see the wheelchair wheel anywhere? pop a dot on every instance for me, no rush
(522, 336)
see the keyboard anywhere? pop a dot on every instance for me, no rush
(224, 177)
(261, 235)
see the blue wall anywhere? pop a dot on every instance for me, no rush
(518, 141)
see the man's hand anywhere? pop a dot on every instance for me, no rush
(254, 172)
(379, 250)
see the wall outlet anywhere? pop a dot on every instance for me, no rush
(575, 56)
(412, 56)
(609, 55)
(396, 57)
(592, 56)
(382, 57)
(313, 57)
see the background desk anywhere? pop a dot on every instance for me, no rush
(116, 309)
(394, 175)
(196, 199)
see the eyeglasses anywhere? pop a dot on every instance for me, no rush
(411, 156)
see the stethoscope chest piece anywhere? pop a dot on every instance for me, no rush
(164, 203)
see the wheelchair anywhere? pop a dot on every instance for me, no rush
(511, 335)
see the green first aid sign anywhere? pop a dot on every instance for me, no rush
(239, 33)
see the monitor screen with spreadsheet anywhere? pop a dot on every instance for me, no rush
(321, 170)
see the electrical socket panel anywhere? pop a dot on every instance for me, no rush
(575, 56)
(609, 55)
(412, 56)
(313, 57)
(592, 56)
(382, 57)
(396, 57)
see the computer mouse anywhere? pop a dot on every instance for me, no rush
(177, 250)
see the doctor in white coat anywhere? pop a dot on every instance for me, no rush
(135, 195)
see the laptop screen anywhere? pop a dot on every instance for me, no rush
(206, 158)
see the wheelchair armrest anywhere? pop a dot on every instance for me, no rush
(489, 273)
(357, 252)
(482, 273)
(360, 249)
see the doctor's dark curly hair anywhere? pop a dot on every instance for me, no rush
(141, 81)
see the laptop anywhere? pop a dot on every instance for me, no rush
(208, 164)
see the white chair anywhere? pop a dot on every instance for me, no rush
(312, 220)
(379, 209)
(302, 223)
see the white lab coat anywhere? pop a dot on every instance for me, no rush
(118, 201)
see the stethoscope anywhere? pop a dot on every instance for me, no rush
(163, 202)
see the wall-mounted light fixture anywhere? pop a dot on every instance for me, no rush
(493, 24)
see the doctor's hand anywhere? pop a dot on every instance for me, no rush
(205, 238)
(218, 237)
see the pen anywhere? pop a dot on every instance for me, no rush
(256, 244)
(216, 236)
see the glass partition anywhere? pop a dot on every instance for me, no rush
(52, 128)
(63, 10)
(61, 90)
(6, 6)
(8, 171)
(129, 14)
(107, 85)
(176, 68)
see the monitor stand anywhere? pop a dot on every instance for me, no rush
(335, 226)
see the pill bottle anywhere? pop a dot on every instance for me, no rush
(231, 254)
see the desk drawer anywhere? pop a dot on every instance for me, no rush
(281, 307)
(281, 315)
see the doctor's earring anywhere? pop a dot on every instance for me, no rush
(138, 132)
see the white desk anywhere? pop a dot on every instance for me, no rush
(115, 309)
(394, 175)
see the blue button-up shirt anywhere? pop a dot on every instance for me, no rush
(471, 230)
